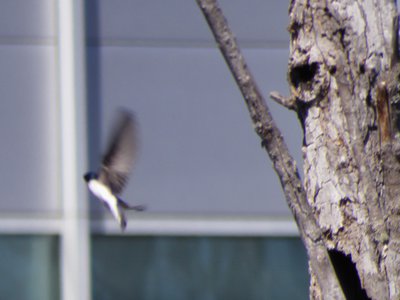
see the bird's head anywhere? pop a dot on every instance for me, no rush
(89, 176)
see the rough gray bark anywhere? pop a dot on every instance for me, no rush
(343, 77)
(339, 53)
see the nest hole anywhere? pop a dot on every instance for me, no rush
(303, 74)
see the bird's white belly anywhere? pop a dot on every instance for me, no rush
(101, 192)
(104, 194)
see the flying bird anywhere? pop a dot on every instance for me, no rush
(116, 167)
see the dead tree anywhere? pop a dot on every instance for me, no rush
(343, 75)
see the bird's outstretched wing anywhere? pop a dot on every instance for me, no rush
(118, 160)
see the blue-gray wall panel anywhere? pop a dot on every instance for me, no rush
(170, 21)
(24, 19)
(28, 129)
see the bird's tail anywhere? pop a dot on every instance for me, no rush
(122, 221)
(118, 215)
(125, 205)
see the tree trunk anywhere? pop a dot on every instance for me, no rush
(345, 85)
(340, 53)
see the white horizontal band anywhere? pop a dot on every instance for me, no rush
(162, 225)
(197, 226)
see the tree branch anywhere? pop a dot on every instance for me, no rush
(288, 102)
(272, 140)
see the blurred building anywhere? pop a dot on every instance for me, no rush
(217, 224)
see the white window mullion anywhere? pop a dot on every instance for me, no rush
(75, 260)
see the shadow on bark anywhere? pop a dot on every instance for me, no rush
(348, 277)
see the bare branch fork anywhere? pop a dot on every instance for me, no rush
(273, 142)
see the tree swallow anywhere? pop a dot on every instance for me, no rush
(116, 166)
